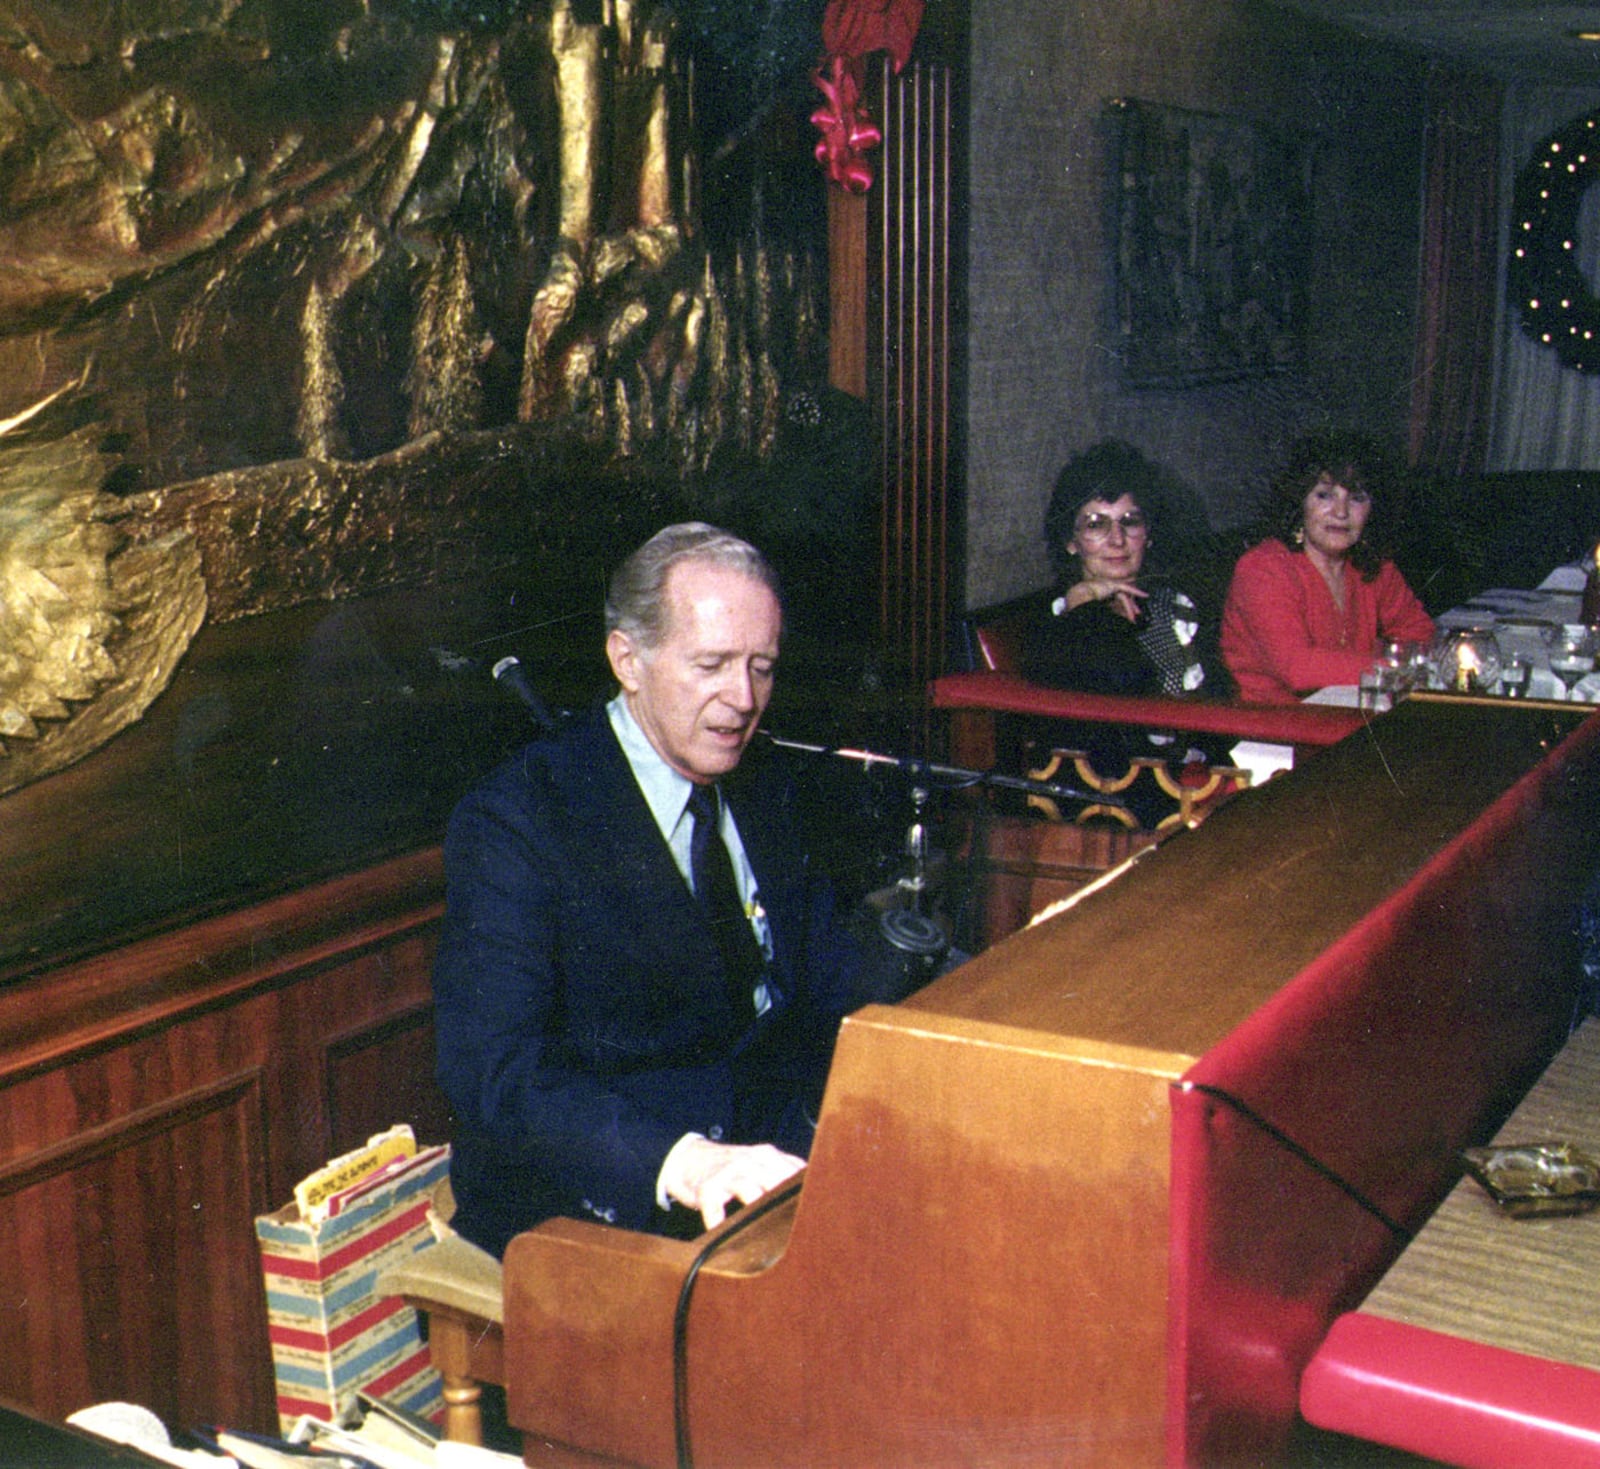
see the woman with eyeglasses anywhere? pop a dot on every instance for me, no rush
(1112, 630)
(1309, 604)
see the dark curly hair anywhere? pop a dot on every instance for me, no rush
(1108, 471)
(1356, 461)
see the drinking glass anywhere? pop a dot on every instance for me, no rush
(1572, 655)
(1406, 663)
(1421, 666)
(1516, 673)
(1375, 691)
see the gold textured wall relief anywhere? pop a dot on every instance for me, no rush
(91, 624)
(307, 281)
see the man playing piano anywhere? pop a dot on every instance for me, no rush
(634, 1025)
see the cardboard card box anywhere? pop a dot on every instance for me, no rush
(331, 1333)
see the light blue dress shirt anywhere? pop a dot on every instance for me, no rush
(666, 792)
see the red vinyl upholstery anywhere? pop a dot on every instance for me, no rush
(1505, 1408)
(1318, 1133)
(1008, 693)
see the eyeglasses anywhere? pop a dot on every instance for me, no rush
(1097, 527)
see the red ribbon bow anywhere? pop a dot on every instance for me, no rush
(852, 30)
(847, 132)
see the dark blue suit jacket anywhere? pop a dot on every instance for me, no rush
(581, 1021)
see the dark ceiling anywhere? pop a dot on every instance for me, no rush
(1513, 40)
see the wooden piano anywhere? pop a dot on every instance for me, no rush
(1095, 1196)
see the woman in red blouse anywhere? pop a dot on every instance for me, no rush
(1307, 607)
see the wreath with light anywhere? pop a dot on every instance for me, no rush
(1558, 305)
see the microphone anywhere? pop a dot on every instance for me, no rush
(509, 673)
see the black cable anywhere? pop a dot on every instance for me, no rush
(680, 1319)
(1310, 1159)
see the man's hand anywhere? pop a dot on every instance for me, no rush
(708, 1176)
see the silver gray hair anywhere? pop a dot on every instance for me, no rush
(636, 600)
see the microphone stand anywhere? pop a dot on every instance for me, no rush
(910, 926)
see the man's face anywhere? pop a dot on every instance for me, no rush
(700, 692)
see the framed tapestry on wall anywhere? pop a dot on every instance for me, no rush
(1211, 226)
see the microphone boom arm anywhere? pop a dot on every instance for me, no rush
(1026, 784)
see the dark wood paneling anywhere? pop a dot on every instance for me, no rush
(847, 291)
(155, 1099)
(127, 1277)
(913, 249)
(383, 1074)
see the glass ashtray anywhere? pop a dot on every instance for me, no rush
(1545, 1178)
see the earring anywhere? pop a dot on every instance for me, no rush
(1299, 536)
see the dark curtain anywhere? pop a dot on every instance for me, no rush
(1451, 384)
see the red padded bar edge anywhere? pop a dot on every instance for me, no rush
(1447, 1398)
(1286, 724)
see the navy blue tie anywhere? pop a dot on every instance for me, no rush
(711, 868)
